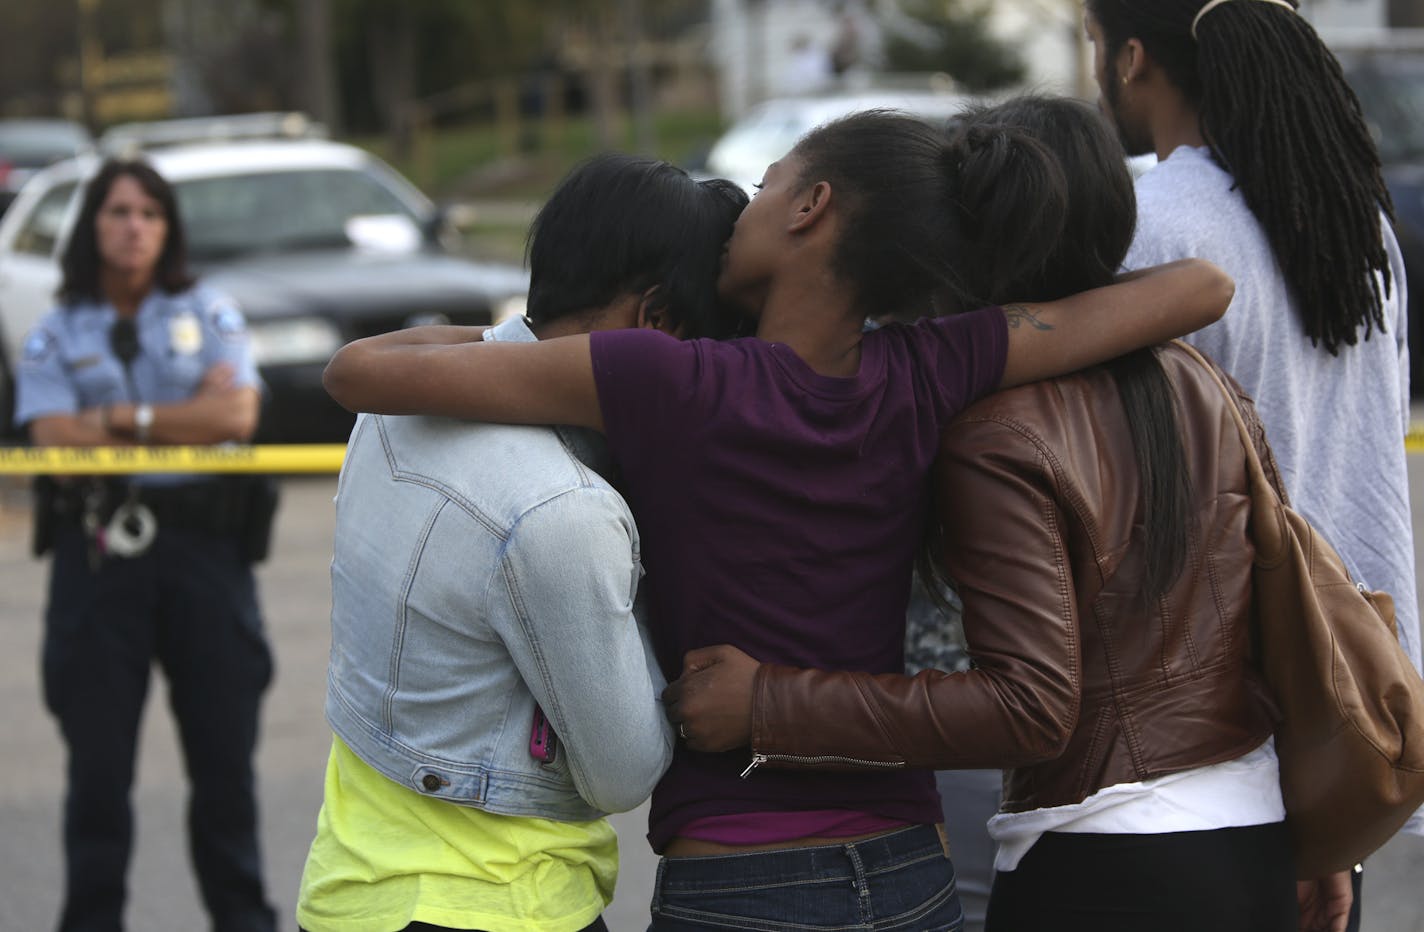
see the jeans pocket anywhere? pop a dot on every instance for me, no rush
(766, 906)
(897, 883)
(917, 897)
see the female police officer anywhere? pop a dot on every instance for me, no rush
(153, 567)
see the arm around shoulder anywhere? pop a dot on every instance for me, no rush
(412, 372)
(1141, 309)
(1020, 703)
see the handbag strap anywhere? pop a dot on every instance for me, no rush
(1267, 508)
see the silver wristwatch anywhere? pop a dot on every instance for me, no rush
(143, 421)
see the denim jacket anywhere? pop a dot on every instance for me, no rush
(479, 570)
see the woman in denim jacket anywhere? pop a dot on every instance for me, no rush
(491, 692)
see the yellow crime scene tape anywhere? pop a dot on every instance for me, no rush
(264, 458)
(88, 461)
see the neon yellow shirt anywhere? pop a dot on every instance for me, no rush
(385, 856)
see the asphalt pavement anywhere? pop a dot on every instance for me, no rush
(296, 596)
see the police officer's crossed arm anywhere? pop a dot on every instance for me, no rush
(183, 375)
(217, 412)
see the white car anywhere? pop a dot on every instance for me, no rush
(29, 145)
(770, 129)
(319, 242)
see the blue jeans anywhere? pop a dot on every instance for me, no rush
(189, 603)
(903, 880)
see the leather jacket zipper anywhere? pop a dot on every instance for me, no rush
(759, 759)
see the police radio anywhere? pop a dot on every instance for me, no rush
(132, 527)
(123, 340)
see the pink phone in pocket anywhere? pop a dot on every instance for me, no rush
(542, 740)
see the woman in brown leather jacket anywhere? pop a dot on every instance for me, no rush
(1094, 526)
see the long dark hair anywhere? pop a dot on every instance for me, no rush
(1096, 233)
(913, 205)
(1278, 115)
(81, 262)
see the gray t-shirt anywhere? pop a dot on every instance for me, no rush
(1336, 423)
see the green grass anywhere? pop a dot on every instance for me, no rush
(475, 162)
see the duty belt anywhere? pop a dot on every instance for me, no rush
(120, 517)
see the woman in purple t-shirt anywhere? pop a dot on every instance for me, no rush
(779, 482)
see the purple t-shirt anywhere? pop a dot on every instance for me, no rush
(780, 511)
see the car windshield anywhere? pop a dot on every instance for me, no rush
(33, 145)
(771, 130)
(1391, 92)
(758, 141)
(235, 215)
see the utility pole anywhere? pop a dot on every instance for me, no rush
(91, 62)
(318, 64)
(602, 80)
(758, 51)
(640, 83)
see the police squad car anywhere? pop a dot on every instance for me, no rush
(319, 243)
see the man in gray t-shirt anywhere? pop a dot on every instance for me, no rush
(1335, 423)
(1266, 168)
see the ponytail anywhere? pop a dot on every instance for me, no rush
(931, 219)
(1010, 199)
(1289, 130)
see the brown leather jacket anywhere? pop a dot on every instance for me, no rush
(1078, 683)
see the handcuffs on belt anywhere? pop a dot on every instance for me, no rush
(129, 532)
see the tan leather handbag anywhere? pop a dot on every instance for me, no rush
(1351, 735)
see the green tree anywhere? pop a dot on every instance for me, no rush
(41, 40)
(390, 54)
(953, 36)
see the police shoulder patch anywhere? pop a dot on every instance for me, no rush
(227, 320)
(39, 345)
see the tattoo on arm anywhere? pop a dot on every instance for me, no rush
(1017, 314)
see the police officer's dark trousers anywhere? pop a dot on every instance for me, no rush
(189, 603)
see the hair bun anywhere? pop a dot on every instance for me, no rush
(984, 136)
(983, 145)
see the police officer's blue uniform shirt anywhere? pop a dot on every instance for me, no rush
(68, 364)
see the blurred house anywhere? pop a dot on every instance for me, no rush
(1050, 34)
(778, 48)
(772, 48)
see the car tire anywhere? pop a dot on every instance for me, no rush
(8, 432)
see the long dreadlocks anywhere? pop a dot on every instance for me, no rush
(1278, 115)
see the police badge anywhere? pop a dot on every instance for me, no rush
(185, 334)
